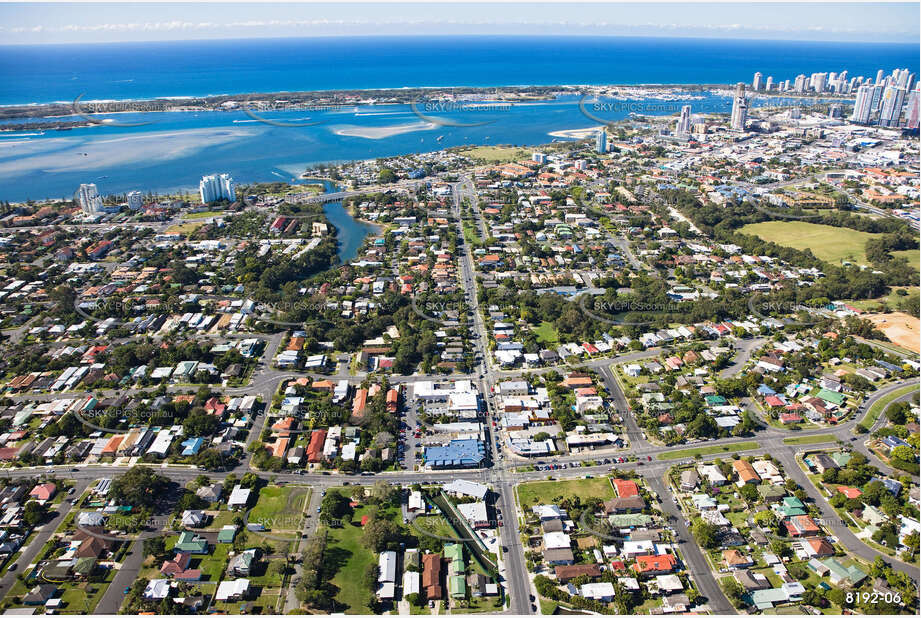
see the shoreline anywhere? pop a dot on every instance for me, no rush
(511, 94)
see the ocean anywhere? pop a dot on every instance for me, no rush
(177, 148)
(47, 73)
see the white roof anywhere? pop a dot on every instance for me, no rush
(597, 590)
(671, 583)
(467, 488)
(239, 496)
(387, 562)
(557, 540)
(227, 589)
(157, 589)
(411, 581)
(473, 511)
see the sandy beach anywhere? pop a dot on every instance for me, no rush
(382, 132)
(575, 133)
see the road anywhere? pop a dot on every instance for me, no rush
(42, 535)
(502, 474)
(694, 559)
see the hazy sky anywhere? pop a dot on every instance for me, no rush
(106, 22)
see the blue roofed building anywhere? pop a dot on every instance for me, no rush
(469, 453)
(192, 446)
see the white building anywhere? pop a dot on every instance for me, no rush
(89, 199)
(135, 200)
(217, 187)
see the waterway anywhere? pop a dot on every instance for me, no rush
(350, 233)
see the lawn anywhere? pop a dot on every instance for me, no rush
(828, 243)
(435, 524)
(877, 408)
(530, 494)
(280, 508)
(716, 449)
(204, 214)
(351, 560)
(891, 300)
(547, 333)
(184, 229)
(496, 154)
(817, 439)
(912, 255)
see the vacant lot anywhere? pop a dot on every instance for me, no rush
(542, 492)
(828, 243)
(716, 449)
(280, 508)
(901, 328)
(184, 228)
(497, 154)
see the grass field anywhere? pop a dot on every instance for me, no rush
(184, 228)
(204, 214)
(546, 333)
(828, 243)
(880, 406)
(716, 449)
(530, 494)
(497, 154)
(351, 560)
(280, 508)
(890, 300)
(817, 439)
(912, 255)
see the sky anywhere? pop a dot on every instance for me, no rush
(44, 23)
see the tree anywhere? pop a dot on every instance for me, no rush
(733, 590)
(705, 534)
(372, 572)
(33, 514)
(155, 546)
(749, 492)
(379, 534)
(139, 487)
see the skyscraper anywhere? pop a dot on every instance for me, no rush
(913, 101)
(684, 121)
(601, 141)
(769, 84)
(217, 187)
(756, 82)
(879, 77)
(862, 107)
(800, 84)
(739, 109)
(88, 198)
(893, 99)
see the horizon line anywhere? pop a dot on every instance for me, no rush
(459, 35)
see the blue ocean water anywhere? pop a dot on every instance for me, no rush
(179, 147)
(45, 73)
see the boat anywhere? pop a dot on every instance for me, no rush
(439, 138)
